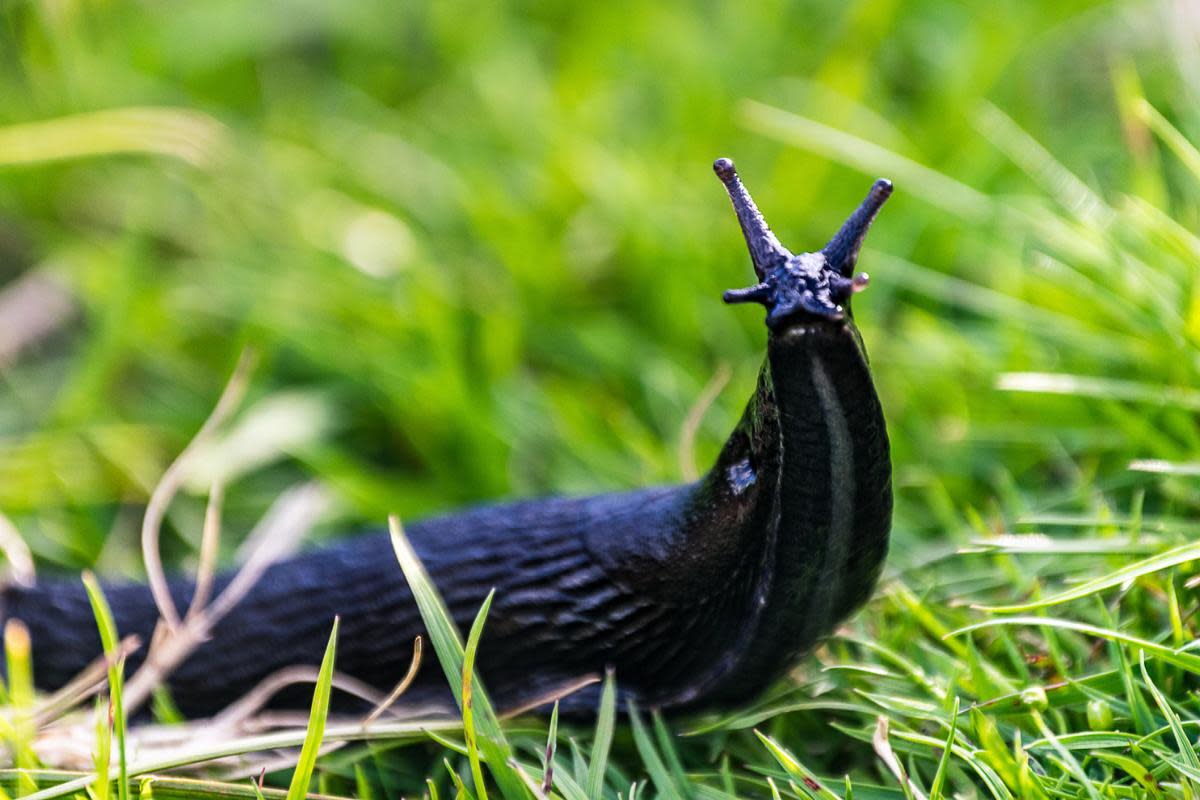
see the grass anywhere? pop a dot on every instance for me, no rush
(485, 260)
(315, 730)
(112, 729)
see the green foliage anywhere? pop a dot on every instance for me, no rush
(468, 703)
(458, 663)
(302, 776)
(602, 739)
(483, 259)
(19, 728)
(114, 718)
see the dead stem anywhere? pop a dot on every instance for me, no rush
(286, 521)
(695, 416)
(209, 546)
(401, 687)
(171, 481)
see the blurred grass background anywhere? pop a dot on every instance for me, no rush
(479, 251)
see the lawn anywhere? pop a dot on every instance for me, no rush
(478, 252)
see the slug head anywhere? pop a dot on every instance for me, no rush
(808, 286)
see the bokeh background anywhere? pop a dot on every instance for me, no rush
(479, 250)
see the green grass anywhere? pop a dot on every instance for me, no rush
(485, 260)
(315, 730)
(113, 728)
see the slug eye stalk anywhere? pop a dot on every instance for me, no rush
(766, 253)
(841, 253)
(798, 288)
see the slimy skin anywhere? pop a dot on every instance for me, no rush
(698, 595)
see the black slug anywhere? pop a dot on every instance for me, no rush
(696, 595)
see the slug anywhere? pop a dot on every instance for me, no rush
(697, 595)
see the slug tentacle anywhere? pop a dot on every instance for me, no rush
(697, 595)
(758, 293)
(809, 284)
(765, 250)
(841, 253)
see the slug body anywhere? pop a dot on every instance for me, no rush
(696, 595)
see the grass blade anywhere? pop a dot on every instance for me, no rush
(468, 713)
(298, 789)
(1133, 769)
(1186, 749)
(797, 770)
(448, 646)
(102, 758)
(939, 777)
(938, 189)
(654, 764)
(19, 662)
(1100, 388)
(883, 748)
(602, 741)
(463, 793)
(180, 133)
(551, 749)
(1179, 658)
(1184, 150)
(569, 788)
(670, 755)
(1165, 560)
(116, 675)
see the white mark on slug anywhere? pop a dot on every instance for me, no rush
(741, 477)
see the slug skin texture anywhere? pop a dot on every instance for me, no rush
(697, 595)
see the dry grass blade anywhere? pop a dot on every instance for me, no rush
(286, 522)
(554, 695)
(16, 552)
(92, 679)
(195, 751)
(1099, 388)
(209, 547)
(32, 308)
(291, 516)
(258, 697)
(883, 748)
(1159, 466)
(413, 667)
(171, 482)
(695, 416)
